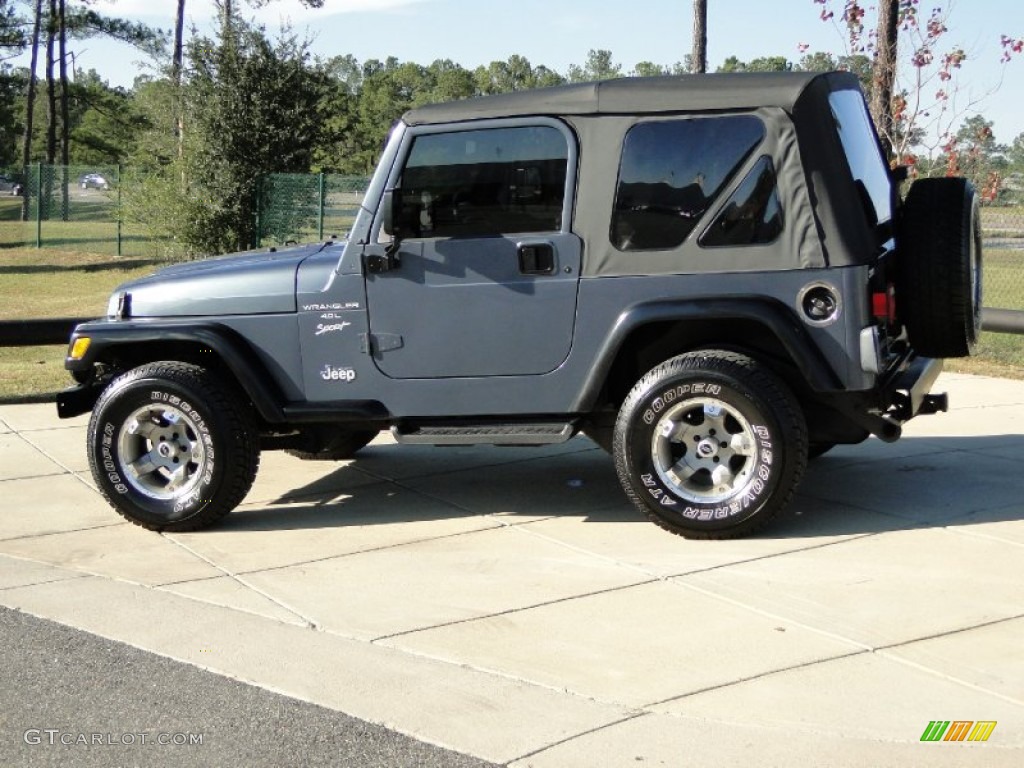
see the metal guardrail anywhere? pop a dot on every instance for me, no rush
(1002, 320)
(30, 333)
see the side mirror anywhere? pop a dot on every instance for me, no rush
(387, 212)
(394, 216)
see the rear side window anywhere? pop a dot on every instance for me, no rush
(753, 215)
(486, 182)
(671, 172)
(862, 151)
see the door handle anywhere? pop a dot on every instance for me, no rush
(536, 258)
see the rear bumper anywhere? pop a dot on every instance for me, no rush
(912, 390)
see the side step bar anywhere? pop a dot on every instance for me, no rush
(484, 434)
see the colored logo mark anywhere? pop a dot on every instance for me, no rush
(958, 730)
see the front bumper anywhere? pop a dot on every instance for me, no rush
(78, 400)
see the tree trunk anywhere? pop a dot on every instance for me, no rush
(700, 36)
(179, 43)
(46, 185)
(65, 120)
(30, 108)
(51, 86)
(883, 73)
(176, 76)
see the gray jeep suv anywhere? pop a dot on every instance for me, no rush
(714, 277)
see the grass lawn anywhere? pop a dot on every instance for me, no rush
(31, 372)
(51, 283)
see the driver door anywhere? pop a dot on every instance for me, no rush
(483, 274)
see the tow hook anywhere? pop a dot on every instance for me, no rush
(934, 404)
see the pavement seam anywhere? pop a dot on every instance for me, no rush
(950, 678)
(53, 580)
(759, 676)
(510, 611)
(44, 534)
(707, 569)
(681, 584)
(77, 573)
(886, 652)
(56, 461)
(309, 621)
(32, 477)
(580, 735)
(381, 548)
(497, 673)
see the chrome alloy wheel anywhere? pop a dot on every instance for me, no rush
(705, 450)
(160, 452)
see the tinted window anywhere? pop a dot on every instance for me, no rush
(753, 215)
(485, 182)
(862, 151)
(670, 174)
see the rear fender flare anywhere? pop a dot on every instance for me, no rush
(774, 316)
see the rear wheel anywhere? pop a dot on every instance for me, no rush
(940, 267)
(710, 445)
(171, 447)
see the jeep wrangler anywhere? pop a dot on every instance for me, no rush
(713, 277)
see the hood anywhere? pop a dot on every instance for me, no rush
(255, 282)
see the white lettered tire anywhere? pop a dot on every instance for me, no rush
(171, 447)
(710, 445)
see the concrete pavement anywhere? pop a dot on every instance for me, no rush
(509, 604)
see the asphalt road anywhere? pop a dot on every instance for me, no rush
(71, 698)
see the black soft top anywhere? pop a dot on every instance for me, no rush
(825, 217)
(637, 95)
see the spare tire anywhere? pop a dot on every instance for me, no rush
(939, 291)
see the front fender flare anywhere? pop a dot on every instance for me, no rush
(232, 350)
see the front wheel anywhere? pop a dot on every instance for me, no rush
(171, 448)
(710, 445)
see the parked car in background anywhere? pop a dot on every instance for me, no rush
(10, 186)
(94, 181)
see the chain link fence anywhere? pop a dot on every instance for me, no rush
(90, 209)
(1003, 250)
(307, 207)
(69, 208)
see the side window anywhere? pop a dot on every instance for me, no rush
(857, 136)
(485, 182)
(752, 216)
(671, 172)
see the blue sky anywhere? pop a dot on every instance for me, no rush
(558, 33)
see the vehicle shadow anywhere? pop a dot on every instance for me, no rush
(927, 482)
(103, 266)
